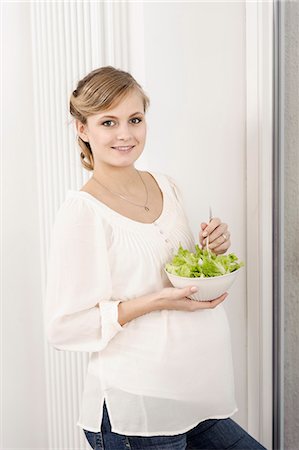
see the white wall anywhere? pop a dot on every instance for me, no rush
(23, 387)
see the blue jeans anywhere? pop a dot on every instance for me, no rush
(210, 434)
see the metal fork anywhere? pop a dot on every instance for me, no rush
(210, 218)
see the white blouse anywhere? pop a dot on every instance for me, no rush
(161, 373)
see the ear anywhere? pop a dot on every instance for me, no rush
(82, 130)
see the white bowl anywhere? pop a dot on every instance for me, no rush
(208, 288)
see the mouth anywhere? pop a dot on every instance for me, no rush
(124, 149)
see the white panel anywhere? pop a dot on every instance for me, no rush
(259, 75)
(22, 368)
(68, 41)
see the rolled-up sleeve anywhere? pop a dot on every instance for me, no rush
(80, 313)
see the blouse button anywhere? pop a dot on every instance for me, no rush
(161, 232)
(167, 240)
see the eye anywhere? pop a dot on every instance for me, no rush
(107, 121)
(137, 118)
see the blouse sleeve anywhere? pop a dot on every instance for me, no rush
(80, 314)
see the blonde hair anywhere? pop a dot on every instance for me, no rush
(97, 91)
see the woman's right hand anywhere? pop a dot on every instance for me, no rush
(177, 299)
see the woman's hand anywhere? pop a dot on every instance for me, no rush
(177, 299)
(219, 236)
(166, 298)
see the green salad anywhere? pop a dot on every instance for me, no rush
(203, 263)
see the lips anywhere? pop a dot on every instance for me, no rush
(123, 148)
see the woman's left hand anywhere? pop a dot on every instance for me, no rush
(219, 236)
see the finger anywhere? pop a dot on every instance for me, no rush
(217, 233)
(203, 226)
(218, 239)
(221, 297)
(222, 248)
(215, 222)
(187, 291)
(218, 300)
(221, 241)
(207, 304)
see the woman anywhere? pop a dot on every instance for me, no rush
(160, 374)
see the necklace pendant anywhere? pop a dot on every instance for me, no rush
(146, 208)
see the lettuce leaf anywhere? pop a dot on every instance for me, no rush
(202, 263)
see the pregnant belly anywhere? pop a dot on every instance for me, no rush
(166, 354)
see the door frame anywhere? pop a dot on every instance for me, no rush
(259, 221)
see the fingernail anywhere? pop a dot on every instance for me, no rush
(194, 289)
(204, 234)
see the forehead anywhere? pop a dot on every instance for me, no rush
(129, 104)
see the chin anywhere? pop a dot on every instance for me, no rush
(126, 160)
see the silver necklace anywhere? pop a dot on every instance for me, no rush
(124, 198)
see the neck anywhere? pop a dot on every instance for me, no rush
(120, 179)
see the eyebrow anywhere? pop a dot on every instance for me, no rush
(114, 117)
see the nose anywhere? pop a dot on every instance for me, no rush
(123, 132)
